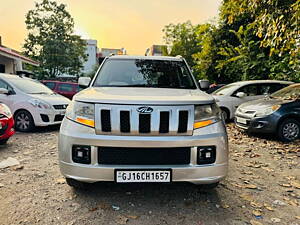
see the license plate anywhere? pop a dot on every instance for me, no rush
(62, 112)
(241, 120)
(142, 176)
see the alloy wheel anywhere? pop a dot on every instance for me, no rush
(290, 131)
(23, 121)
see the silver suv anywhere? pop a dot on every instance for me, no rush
(143, 119)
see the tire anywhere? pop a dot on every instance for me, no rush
(3, 141)
(23, 121)
(225, 114)
(289, 130)
(77, 184)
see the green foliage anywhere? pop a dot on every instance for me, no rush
(252, 40)
(92, 73)
(51, 41)
(183, 40)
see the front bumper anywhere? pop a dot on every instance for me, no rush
(72, 133)
(7, 128)
(267, 124)
(54, 117)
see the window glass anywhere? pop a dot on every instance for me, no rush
(5, 85)
(50, 85)
(30, 86)
(289, 93)
(65, 87)
(144, 73)
(226, 90)
(249, 90)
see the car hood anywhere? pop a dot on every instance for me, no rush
(263, 103)
(160, 96)
(52, 99)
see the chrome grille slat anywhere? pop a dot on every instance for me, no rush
(173, 111)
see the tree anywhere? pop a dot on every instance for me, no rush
(183, 40)
(51, 41)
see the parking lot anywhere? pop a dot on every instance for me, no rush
(262, 188)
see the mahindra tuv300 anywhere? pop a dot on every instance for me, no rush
(143, 119)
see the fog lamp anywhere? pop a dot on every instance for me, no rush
(206, 154)
(81, 154)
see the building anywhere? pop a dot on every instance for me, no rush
(104, 52)
(156, 50)
(91, 51)
(108, 51)
(12, 61)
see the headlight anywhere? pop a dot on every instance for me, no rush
(267, 111)
(206, 115)
(83, 113)
(5, 111)
(39, 104)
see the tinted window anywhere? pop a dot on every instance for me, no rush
(144, 73)
(65, 87)
(50, 85)
(267, 89)
(249, 90)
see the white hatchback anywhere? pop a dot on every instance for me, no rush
(32, 103)
(232, 95)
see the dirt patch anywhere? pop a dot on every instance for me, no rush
(262, 188)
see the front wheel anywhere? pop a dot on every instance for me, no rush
(289, 130)
(24, 121)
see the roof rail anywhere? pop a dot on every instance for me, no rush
(179, 56)
(111, 54)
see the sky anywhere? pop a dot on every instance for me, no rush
(132, 24)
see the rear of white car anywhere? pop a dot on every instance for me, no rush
(143, 128)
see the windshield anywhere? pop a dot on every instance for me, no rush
(289, 93)
(30, 86)
(226, 90)
(144, 73)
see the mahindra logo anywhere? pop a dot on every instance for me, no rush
(145, 109)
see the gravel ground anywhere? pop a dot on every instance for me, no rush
(262, 187)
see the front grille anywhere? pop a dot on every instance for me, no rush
(105, 120)
(144, 123)
(129, 120)
(60, 106)
(164, 122)
(183, 120)
(125, 121)
(58, 118)
(144, 156)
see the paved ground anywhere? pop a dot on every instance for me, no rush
(261, 188)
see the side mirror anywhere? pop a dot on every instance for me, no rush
(4, 91)
(240, 95)
(204, 84)
(84, 81)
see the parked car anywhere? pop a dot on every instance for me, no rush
(6, 124)
(278, 113)
(31, 103)
(232, 95)
(67, 89)
(214, 87)
(143, 119)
